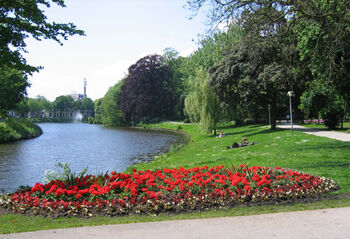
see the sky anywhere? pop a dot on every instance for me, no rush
(118, 33)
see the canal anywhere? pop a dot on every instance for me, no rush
(80, 145)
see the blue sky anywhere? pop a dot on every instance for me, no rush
(118, 33)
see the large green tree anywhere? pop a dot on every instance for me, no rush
(212, 49)
(257, 71)
(20, 20)
(320, 28)
(110, 108)
(64, 103)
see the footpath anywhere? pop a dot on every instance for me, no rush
(322, 133)
(326, 223)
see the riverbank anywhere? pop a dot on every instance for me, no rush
(317, 155)
(17, 129)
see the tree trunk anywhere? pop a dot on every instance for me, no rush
(344, 113)
(273, 112)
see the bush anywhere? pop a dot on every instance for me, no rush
(332, 118)
(187, 120)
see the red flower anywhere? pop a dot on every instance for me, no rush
(247, 188)
(78, 196)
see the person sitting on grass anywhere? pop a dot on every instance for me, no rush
(222, 134)
(244, 142)
(234, 145)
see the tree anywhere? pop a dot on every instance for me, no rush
(111, 113)
(19, 20)
(34, 107)
(13, 86)
(257, 71)
(21, 109)
(22, 19)
(87, 104)
(212, 49)
(147, 90)
(63, 103)
(97, 119)
(321, 101)
(321, 29)
(202, 105)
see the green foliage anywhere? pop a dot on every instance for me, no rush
(16, 129)
(319, 29)
(63, 103)
(13, 84)
(63, 172)
(86, 104)
(212, 49)
(202, 105)
(38, 106)
(97, 119)
(20, 20)
(322, 101)
(111, 113)
(256, 72)
(107, 109)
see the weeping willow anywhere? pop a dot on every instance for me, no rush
(202, 105)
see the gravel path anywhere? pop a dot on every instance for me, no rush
(329, 134)
(326, 223)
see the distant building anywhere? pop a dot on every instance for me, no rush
(77, 96)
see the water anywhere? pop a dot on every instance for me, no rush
(81, 145)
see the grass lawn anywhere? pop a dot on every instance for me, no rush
(308, 153)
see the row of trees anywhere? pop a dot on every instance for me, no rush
(145, 94)
(245, 71)
(286, 45)
(270, 47)
(41, 107)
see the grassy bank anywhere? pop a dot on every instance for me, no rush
(17, 129)
(308, 153)
(279, 148)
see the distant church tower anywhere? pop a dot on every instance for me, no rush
(85, 84)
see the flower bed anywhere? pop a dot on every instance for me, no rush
(167, 190)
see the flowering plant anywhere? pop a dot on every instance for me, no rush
(175, 190)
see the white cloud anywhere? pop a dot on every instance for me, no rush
(187, 52)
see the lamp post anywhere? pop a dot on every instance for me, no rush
(290, 94)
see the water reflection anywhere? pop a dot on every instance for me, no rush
(80, 145)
